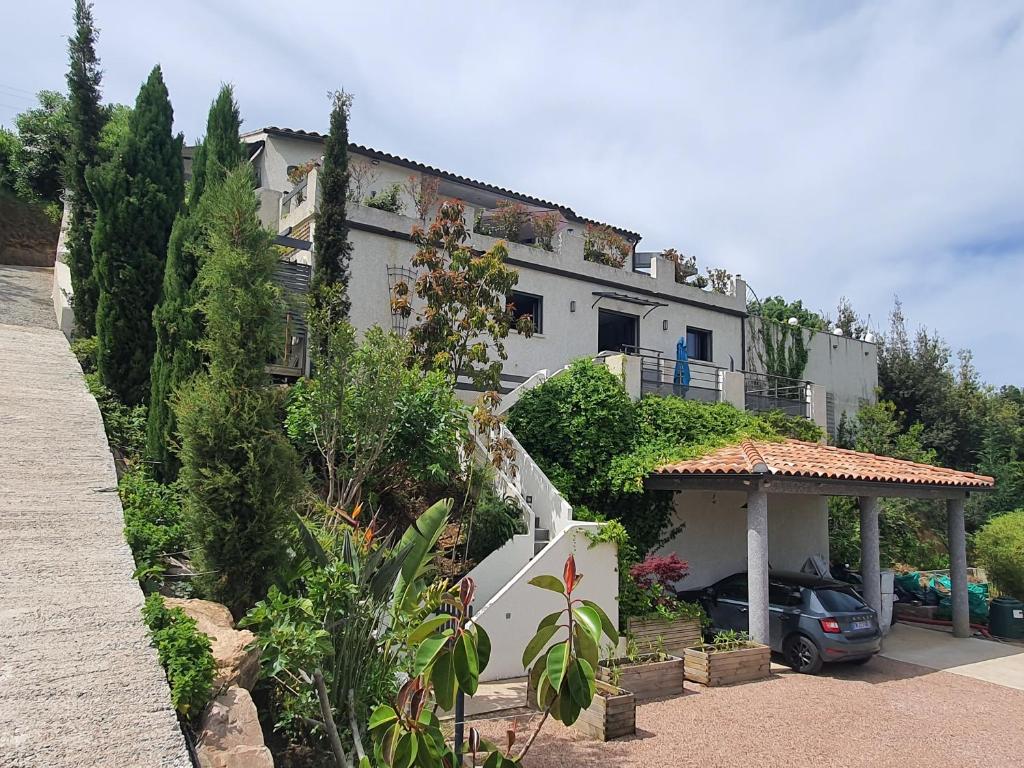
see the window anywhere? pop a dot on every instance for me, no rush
(839, 600)
(617, 331)
(784, 594)
(523, 304)
(698, 344)
(735, 588)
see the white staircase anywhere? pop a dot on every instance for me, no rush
(511, 608)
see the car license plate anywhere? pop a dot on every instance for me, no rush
(860, 625)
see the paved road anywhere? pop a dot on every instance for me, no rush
(79, 683)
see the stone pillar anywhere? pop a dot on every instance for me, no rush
(732, 383)
(870, 568)
(757, 564)
(958, 568)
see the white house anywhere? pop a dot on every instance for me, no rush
(579, 307)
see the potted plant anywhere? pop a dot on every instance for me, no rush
(730, 657)
(648, 672)
(653, 612)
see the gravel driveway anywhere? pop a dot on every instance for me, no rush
(884, 714)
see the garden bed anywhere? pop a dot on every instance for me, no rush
(648, 677)
(710, 666)
(611, 715)
(674, 635)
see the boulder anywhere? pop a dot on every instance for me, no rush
(230, 735)
(235, 664)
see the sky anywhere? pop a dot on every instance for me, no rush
(819, 149)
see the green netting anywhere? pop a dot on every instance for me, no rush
(977, 598)
(915, 584)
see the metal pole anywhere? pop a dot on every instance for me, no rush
(460, 710)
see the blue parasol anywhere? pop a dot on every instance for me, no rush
(682, 372)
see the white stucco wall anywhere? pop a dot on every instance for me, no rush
(714, 539)
(511, 617)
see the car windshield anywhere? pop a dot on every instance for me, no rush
(840, 600)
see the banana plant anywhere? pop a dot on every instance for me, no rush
(564, 671)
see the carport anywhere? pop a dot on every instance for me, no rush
(760, 468)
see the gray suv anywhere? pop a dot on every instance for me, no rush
(812, 620)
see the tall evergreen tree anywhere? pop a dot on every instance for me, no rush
(177, 320)
(138, 194)
(241, 473)
(332, 250)
(86, 117)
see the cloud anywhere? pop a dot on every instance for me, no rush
(822, 150)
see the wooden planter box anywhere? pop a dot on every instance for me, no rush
(646, 679)
(611, 715)
(725, 667)
(676, 636)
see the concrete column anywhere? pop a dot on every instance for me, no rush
(958, 568)
(757, 564)
(733, 389)
(870, 568)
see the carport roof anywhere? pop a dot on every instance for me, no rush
(800, 460)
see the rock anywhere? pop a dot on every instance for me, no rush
(230, 735)
(235, 664)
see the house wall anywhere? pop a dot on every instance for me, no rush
(566, 334)
(714, 539)
(847, 368)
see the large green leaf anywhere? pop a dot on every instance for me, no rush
(586, 648)
(550, 619)
(427, 652)
(382, 715)
(445, 682)
(606, 623)
(313, 549)
(537, 644)
(589, 619)
(578, 688)
(568, 710)
(546, 581)
(405, 751)
(483, 647)
(384, 577)
(467, 665)
(558, 664)
(420, 539)
(427, 628)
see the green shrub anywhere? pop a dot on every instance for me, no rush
(495, 520)
(387, 200)
(999, 547)
(185, 654)
(125, 425)
(153, 520)
(86, 348)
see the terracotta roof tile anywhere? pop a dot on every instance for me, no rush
(796, 458)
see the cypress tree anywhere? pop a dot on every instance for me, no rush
(177, 320)
(86, 117)
(241, 473)
(332, 250)
(138, 194)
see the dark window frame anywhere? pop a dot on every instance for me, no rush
(710, 354)
(636, 318)
(538, 316)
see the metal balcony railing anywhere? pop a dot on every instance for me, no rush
(765, 392)
(658, 377)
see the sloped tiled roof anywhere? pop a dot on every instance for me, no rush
(799, 459)
(386, 157)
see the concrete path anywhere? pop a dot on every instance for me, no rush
(80, 684)
(990, 660)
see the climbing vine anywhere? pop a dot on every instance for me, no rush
(781, 347)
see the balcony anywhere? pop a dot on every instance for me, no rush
(658, 377)
(764, 392)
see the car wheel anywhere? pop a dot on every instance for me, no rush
(802, 655)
